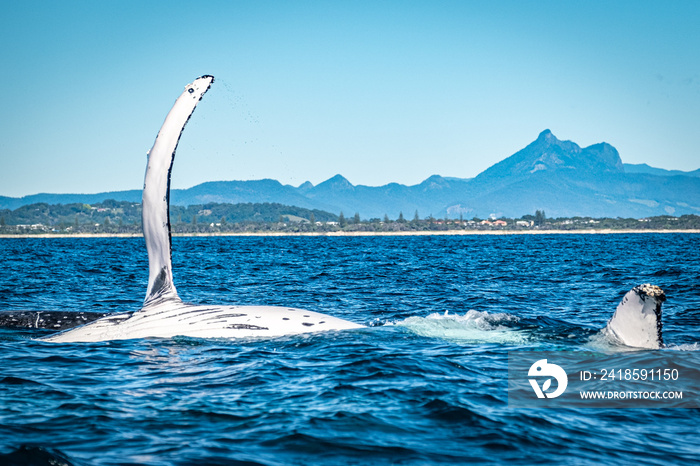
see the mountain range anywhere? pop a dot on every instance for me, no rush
(558, 177)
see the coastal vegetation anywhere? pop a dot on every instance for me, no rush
(121, 217)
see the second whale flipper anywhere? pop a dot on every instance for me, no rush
(637, 319)
(164, 314)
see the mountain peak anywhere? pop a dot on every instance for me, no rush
(338, 182)
(338, 179)
(435, 182)
(546, 135)
(547, 153)
(547, 138)
(602, 157)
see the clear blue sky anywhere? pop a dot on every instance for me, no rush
(378, 91)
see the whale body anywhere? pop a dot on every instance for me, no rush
(637, 319)
(172, 317)
(164, 314)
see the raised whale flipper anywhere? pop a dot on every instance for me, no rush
(637, 319)
(156, 192)
(163, 314)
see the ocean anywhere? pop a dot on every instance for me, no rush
(425, 383)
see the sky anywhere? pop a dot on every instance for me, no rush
(378, 91)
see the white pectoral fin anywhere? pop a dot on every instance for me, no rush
(637, 319)
(156, 191)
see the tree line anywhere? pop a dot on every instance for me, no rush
(125, 217)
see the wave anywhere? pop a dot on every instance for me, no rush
(604, 342)
(684, 347)
(477, 327)
(472, 327)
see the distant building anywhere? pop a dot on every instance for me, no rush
(36, 226)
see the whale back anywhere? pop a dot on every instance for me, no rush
(167, 319)
(156, 193)
(637, 319)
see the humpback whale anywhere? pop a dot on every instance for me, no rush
(637, 319)
(163, 313)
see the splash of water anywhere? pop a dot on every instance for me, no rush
(605, 342)
(685, 347)
(472, 327)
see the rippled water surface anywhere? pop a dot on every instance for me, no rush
(415, 387)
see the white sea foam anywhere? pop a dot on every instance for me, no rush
(605, 342)
(685, 347)
(472, 327)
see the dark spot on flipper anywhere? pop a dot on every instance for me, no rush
(307, 324)
(246, 327)
(218, 318)
(160, 284)
(160, 279)
(190, 90)
(222, 316)
(285, 318)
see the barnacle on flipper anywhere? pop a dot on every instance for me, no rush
(652, 291)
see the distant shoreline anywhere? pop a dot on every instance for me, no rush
(367, 233)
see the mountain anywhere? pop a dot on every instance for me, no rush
(646, 169)
(550, 154)
(559, 177)
(13, 203)
(566, 180)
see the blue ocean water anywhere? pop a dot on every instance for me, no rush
(415, 387)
